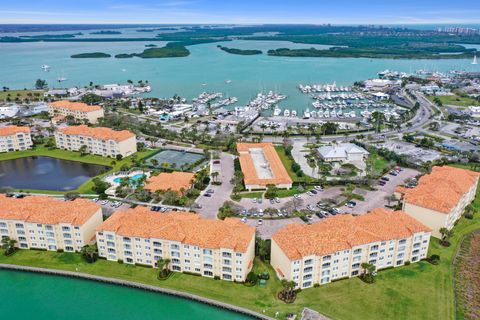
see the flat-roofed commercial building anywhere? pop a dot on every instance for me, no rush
(440, 198)
(261, 166)
(46, 223)
(336, 247)
(174, 181)
(101, 141)
(210, 248)
(15, 138)
(78, 110)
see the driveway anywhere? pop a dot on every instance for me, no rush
(376, 199)
(210, 205)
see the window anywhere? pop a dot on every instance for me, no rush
(326, 265)
(307, 284)
(175, 247)
(308, 261)
(208, 273)
(65, 228)
(207, 252)
(307, 269)
(327, 258)
(357, 251)
(227, 276)
(19, 225)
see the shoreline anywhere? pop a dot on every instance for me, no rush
(136, 285)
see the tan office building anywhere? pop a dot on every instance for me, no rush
(51, 224)
(336, 247)
(78, 110)
(15, 138)
(440, 197)
(261, 166)
(206, 247)
(101, 141)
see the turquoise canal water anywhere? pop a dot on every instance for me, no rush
(206, 69)
(35, 296)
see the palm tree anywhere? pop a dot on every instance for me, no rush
(8, 245)
(163, 267)
(90, 253)
(446, 233)
(215, 175)
(288, 292)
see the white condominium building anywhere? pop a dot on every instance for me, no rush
(336, 247)
(440, 197)
(14, 138)
(46, 223)
(211, 248)
(101, 141)
(78, 110)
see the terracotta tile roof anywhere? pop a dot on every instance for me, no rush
(279, 173)
(184, 227)
(174, 181)
(47, 210)
(101, 133)
(442, 189)
(10, 130)
(74, 106)
(345, 232)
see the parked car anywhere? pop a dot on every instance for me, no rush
(277, 200)
(210, 191)
(259, 200)
(310, 207)
(304, 219)
(254, 200)
(207, 195)
(260, 222)
(216, 161)
(244, 220)
(296, 196)
(313, 191)
(385, 178)
(319, 215)
(272, 201)
(309, 193)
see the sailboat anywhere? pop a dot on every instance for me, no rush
(61, 78)
(46, 67)
(474, 59)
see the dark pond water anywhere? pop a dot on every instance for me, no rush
(45, 173)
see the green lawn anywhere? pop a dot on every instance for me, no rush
(73, 156)
(21, 94)
(455, 100)
(287, 163)
(377, 162)
(251, 195)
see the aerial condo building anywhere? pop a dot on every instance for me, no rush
(210, 248)
(261, 166)
(440, 198)
(15, 138)
(336, 247)
(101, 141)
(79, 110)
(38, 222)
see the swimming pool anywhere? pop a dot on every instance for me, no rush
(133, 179)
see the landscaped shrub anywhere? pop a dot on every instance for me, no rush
(434, 259)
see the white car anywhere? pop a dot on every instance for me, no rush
(296, 196)
(244, 220)
(104, 202)
(260, 222)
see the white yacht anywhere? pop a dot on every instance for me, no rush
(306, 114)
(228, 81)
(286, 113)
(45, 67)
(277, 111)
(474, 59)
(326, 114)
(294, 113)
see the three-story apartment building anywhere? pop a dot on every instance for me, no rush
(15, 138)
(336, 247)
(101, 141)
(79, 110)
(440, 197)
(210, 248)
(46, 223)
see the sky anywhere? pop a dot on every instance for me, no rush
(241, 11)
